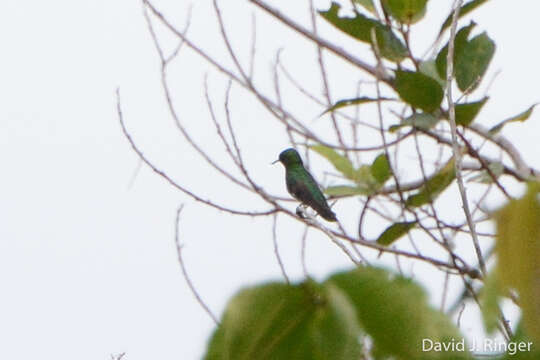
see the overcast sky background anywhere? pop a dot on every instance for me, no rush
(88, 265)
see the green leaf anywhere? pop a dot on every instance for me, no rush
(434, 186)
(529, 350)
(465, 9)
(429, 68)
(489, 302)
(394, 232)
(355, 101)
(380, 169)
(395, 312)
(519, 117)
(465, 113)
(423, 121)
(340, 162)
(360, 27)
(484, 176)
(346, 190)
(518, 251)
(459, 44)
(279, 321)
(389, 45)
(365, 179)
(367, 4)
(473, 61)
(405, 11)
(418, 90)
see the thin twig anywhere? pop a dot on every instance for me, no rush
(324, 77)
(253, 47)
(276, 250)
(303, 252)
(184, 271)
(457, 154)
(318, 40)
(455, 146)
(170, 180)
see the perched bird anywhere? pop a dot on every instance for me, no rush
(302, 186)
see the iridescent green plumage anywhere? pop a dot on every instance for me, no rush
(302, 186)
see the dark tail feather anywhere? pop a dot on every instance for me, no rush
(327, 214)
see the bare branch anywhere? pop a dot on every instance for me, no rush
(324, 77)
(276, 250)
(321, 42)
(171, 181)
(455, 146)
(184, 271)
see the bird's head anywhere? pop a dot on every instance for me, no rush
(289, 157)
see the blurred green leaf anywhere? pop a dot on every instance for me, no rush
(418, 90)
(489, 302)
(459, 44)
(423, 121)
(347, 190)
(484, 177)
(429, 68)
(434, 186)
(465, 9)
(364, 178)
(394, 311)
(380, 169)
(518, 251)
(405, 11)
(394, 232)
(340, 162)
(280, 321)
(519, 117)
(367, 4)
(528, 351)
(466, 113)
(355, 101)
(360, 27)
(473, 61)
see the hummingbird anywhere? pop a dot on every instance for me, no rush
(302, 186)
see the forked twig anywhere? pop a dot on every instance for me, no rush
(183, 267)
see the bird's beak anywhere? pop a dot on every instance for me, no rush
(272, 163)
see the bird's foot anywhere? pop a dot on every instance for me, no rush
(301, 211)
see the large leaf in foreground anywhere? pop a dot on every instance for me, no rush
(529, 349)
(518, 251)
(280, 321)
(394, 311)
(489, 301)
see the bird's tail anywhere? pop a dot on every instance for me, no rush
(327, 214)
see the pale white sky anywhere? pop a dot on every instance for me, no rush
(87, 262)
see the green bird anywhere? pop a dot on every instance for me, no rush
(302, 186)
